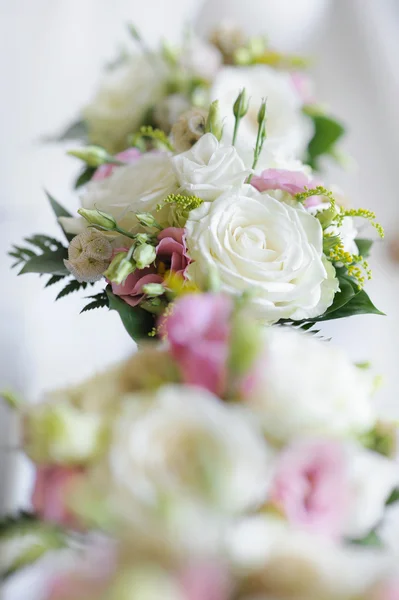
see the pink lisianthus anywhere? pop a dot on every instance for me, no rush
(128, 156)
(198, 330)
(52, 485)
(292, 182)
(171, 255)
(303, 86)
(205, 582)
(311, 487)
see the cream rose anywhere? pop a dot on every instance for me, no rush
(259, 244)
(209, 168)
(304, 386)
(288, 129)
(119, 107)
(185, 443)
(137, 187)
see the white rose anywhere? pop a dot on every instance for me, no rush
(209, 168)
(126, 93)
(185, 443)
(259, 244)
(289, 130)
(372, 478)
(201, 58)
(137, 187)
(282, 560)
(308, 387)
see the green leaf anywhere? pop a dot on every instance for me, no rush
(54, 279)
(393, 498)
(59, 211)
(72, 286)
(327, 132)
(50, 261)
(359, 304)
(76, 131)
(24, 539)
(85, 176)
(99, 301)
(364, 246)
(137, 322)
(371, 539)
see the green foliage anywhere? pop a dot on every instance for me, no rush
(156, 137)
(72, 286)
(327, 133)
(45, 257)
(76, 131)
(54, 279)
(393, 498)
(364, 246)
(59, 211)
(371, 540)
(98, 301)
(30, 536)
(137, 322)
(84, 176)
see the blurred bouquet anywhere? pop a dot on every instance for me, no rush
(155, 87)
(229, 461)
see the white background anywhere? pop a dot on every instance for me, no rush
(51, 55)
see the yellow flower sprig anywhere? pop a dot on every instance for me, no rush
(157, 135)
(363, 213)
(356, 266)
(319, 190)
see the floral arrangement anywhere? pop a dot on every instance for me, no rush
(154, 88)
(227, 461)
(230, 457)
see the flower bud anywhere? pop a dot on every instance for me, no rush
(213, 123)
(62, 434)
(144, 255)
(93, 156)
(153, 289)
(241, 105)
(142, 238)
(98, 217)
(146, 219)
(262, 113)
(120, 268)
(327, 216)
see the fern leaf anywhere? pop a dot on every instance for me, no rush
(72, 286)
(54, 279)
(98, 301)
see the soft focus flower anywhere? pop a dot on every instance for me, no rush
(209, 168)
(52, 488)
(198, 330)
(288, 130)
(60, 433)
(138, 187)
(128, 156)
(304, 386)
(120, 105)
(292, 182)
(259, 244)
(188, 129)
(372, 477)
(281, 562)
(89, 255)
(169, 109)
(228, 38)
(205, 582)
(170, 255)
(200, 58)
(304, 87)
(311, 485)
(185, 442)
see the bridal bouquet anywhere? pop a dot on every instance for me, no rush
(229, 461)
(235, 455)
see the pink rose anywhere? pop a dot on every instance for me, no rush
(293, 182)
(198, 330)
(50, 494)
(311, 486)
(128, 156)
(171, 255)
(388, 592)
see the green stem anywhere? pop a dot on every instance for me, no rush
(235, 132)
(132, 236)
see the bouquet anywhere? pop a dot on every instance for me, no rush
(236, 455)
(229, 461)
